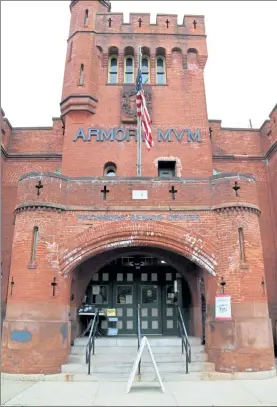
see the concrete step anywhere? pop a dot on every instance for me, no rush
(125, 350)
(133, 341)
(146, 367)
(117, 357)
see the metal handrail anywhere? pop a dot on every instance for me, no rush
(185, 338)
(139, 334)
(91, 338)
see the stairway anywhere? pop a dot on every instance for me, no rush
(114, 358)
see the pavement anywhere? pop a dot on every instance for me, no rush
(187, 393)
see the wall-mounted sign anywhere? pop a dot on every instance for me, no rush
(111, 312)
(139, 194)
(171, 217)
(124, 134)
(223, 310)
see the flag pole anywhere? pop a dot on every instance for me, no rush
(139, 126)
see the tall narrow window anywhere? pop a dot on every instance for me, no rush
(241, 245)
(86, 19)
(81, 79)
(113, 69)
(34, 244)
(70, 51)
(160, 69)
(129, 70)
(145, 64)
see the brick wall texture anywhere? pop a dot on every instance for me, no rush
(80, 231)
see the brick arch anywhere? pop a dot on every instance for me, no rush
(111, 235)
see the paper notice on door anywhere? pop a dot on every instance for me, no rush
(129, 299)
(95, 289)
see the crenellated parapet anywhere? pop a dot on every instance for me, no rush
(139, 23)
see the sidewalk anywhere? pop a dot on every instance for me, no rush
(189, 393)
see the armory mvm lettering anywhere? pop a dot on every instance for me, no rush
(131, 134)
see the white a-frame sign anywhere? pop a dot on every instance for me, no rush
(136, 363)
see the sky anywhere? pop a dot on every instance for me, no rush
(240, 74)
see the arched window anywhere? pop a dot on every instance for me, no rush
(110, 169)
(160, 70)
(81, 79)
(129, 69)
(145, 69)
(86, 19)
(113, 69)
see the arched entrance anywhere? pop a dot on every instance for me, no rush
(155, 279)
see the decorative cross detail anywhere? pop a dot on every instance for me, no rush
(39, 186)
(167, 23)
(194, 24)
(12, 284)
(173, 191)
(54, 284)
(236, 188)
(222, 283)
(211, 132)
(110, 22)
(140, 21)
(105, 191)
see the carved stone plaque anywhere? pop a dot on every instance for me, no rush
(128, 104)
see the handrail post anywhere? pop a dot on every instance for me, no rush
(184, 337)
(139, 338)
(91, 339)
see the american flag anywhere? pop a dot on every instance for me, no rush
(143, 112)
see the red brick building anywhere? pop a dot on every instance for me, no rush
(76, 218)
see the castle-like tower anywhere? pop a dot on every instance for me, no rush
(205, 207)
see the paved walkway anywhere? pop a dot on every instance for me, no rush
(189, 393)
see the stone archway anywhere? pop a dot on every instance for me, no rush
(111, 235)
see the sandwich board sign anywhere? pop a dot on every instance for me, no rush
(144, 342)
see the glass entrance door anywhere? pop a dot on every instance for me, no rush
(169, 311)
(125, 303)
(150, 300)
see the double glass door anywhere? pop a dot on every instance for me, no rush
(125, 288)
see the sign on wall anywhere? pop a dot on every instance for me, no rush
(125, 134)
(139, 194)
(223, 310)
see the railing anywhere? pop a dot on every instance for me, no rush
(91, 339)
(139, 334)
(184, 337)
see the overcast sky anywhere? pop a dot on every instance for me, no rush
(240, 75)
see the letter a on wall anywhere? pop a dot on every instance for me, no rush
(136, 363)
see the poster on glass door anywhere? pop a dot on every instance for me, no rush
(223, 311)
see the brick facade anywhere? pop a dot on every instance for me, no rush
(80, 231)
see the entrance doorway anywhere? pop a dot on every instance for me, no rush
(129, 281)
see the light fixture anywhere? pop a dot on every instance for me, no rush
(163, 262)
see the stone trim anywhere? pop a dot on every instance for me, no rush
(138, 34)
(29, 156)
(81, 208)
(38, 207)
(74, 96)
(232, 207)
(161, 180)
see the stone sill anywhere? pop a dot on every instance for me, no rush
(32, 266)
(244, 266)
